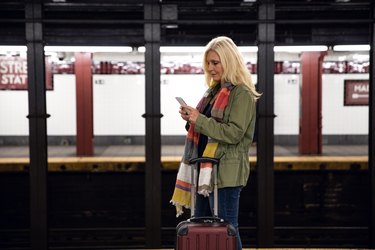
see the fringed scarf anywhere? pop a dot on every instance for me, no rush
(182, 193)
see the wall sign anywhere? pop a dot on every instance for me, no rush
(356, 92)
(13, 73)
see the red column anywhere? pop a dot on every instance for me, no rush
(310, 134)
(84, 97)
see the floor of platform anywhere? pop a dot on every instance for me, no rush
(174, 150)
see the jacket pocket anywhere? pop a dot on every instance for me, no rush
(229, 172)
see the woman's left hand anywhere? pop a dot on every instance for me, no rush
(189, 114)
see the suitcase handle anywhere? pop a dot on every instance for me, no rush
(204, 159)
(205, 219)
(194, 162)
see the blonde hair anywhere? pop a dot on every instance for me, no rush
(234, 67)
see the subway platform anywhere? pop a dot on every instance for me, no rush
(173, 151)
(126, 157)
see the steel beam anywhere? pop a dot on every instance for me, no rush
(371, 135)
(265, 142)
(37, 125)
(153, 116)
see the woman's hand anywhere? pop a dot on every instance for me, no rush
(189, 114)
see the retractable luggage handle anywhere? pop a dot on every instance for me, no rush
(215, 162)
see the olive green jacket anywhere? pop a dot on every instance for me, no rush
(234, 136)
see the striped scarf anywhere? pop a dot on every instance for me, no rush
(182, 192)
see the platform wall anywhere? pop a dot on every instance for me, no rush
(119, 103)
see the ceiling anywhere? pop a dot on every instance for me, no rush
(193, 22)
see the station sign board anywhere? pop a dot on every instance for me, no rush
(13, 73)
(356, 92)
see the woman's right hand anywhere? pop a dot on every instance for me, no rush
(184, 113)
(189, 114)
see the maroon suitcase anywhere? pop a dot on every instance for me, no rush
(205, 233)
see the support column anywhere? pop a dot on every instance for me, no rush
(310, 135)
(265, 143)
(84, 99)
(37, 125)
(153, 116)
(371, 137)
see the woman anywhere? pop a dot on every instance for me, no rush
(222, 126)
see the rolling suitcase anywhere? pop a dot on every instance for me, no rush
(205, 233)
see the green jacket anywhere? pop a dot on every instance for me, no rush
(234, 136)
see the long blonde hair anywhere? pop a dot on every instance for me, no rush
(235, 70)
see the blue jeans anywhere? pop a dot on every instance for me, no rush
(229, 199)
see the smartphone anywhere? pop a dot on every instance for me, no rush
(181, 101)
